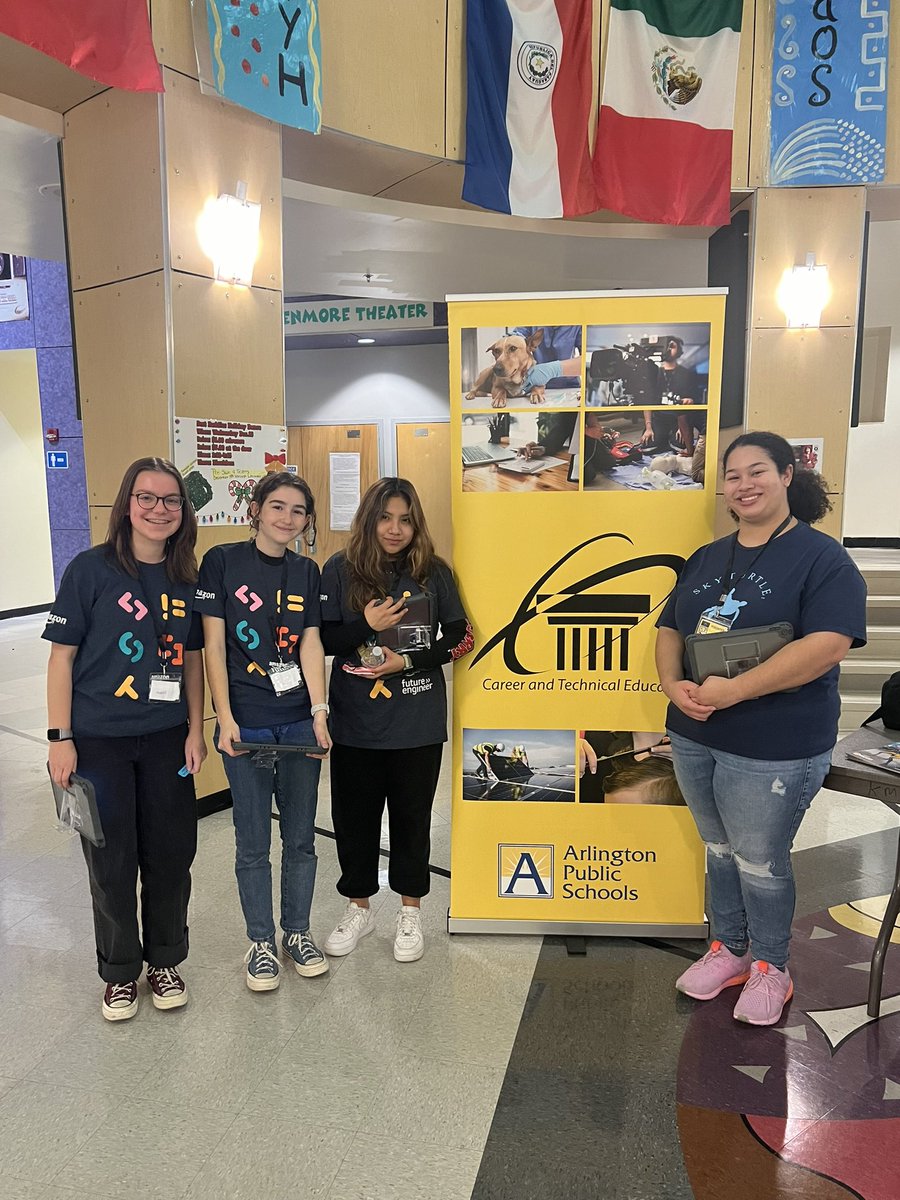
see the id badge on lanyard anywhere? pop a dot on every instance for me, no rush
(165, 688)
(285, 676)
(714, 622)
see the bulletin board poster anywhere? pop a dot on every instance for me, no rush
(585, 440)
(221, 463)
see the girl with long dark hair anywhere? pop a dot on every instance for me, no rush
(266, 671)
(125, 706)
(389, 705)
(751, 751)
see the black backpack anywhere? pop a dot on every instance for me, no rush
(889, 709)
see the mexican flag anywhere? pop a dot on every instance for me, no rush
(663, 148)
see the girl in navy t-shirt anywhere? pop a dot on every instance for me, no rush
(752, 750)
(266, 671)
(389, 706)
(125, 705)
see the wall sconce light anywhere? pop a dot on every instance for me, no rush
(803, 293)
(228, 231)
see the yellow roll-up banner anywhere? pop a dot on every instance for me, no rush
(584, 443)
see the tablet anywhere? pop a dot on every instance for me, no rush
(732, 653)
(279, 747)
(76, 808)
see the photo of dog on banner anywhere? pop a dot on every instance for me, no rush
(652, 384)
(520, 366)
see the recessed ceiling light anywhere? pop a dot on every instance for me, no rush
(365, 341)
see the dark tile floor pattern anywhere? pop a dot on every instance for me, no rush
(587, 1108)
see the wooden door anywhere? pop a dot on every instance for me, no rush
(310, 448)
(423, 457)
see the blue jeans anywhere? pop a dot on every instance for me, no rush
(747, 812)
(295, 782)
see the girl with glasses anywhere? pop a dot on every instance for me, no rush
(125, 705)
(266, 670)
(389, 706)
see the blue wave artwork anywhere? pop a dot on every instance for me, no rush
(829, 92)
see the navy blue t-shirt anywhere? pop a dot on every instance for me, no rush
(116, 622)
(804, 577)
(240, 584)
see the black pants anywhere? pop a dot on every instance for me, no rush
(361, 781)
(149, 817)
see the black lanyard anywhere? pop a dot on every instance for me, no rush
(727, 585)
(160, 624)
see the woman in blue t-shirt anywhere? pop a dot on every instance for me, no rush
(266, 671)
(388, 704)
(125, 707)
(751, 751)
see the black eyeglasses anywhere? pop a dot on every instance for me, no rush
(149, 501)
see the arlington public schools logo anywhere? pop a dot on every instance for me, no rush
(537, 64)
(579, 616)
(525, 871)
(675, 82)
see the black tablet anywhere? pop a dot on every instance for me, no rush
(279, 747)
(735, 651)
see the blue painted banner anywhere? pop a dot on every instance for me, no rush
(264, 55)
(829, 92)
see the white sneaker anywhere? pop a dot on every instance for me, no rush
(409, 943)
(353, 925)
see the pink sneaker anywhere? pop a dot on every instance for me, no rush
(717, 969)
(765, 994)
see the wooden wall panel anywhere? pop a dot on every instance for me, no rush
(38, 79)
(740, 153)
(173, 35)
(789, 222)
(455, 98)
(800, 384)
(423, 457)
(317, 442)
(228, 351)
(384, 71)
(111, 161)
(212, 774)
(99, 519)
(763, 34)
(120, 333)
(235, 144)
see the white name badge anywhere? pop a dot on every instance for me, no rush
(285, 677)
(165, 688)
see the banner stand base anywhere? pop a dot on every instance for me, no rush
(699, 929)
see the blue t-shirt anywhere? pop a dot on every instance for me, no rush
(804, 577)
(117, 623)
(240, 584)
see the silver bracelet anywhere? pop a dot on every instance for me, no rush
(317, 708)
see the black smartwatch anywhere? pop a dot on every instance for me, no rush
(60, 735)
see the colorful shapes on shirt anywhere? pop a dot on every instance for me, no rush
(255, 667)
(125, 688)
(178, 609)
(287, 642)
(294, 603)
(140, 610)
(242, 594)
(171, 651)
(247, 635)
(130, 646)
(379, 690)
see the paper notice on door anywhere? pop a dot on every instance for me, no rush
(343, 479)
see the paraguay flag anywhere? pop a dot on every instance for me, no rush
(531, 103)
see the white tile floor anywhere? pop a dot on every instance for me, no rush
(377, 1081)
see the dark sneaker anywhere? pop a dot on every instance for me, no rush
(306, 956)
(262, 967)
(120, 1001)
(167, 988)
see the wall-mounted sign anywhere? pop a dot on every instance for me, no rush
(13, 288)
(829, 92)
(221, 462)
(58, 460)
(263, 55)
(355, 316)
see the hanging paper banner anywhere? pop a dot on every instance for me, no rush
(585, 433)
(221, 462)
(264, 55)
(829, 92)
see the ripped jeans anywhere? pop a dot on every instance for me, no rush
(747, 812)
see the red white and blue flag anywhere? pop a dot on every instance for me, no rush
(531, 105)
